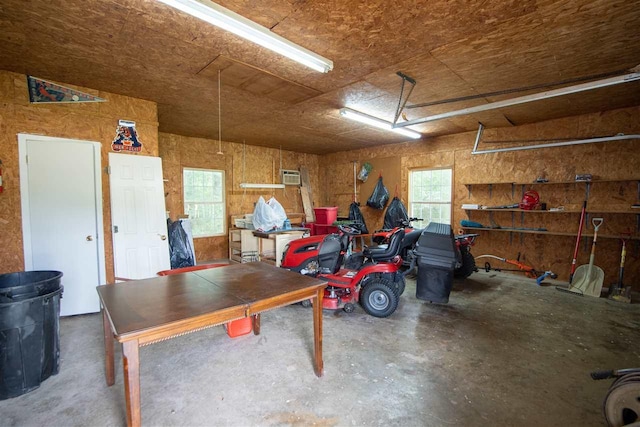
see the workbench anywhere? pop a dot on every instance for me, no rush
(271, 243)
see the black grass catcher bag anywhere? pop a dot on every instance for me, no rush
(379, 197)
(356, 217)
(396, 215)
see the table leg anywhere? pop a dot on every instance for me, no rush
(109, 372)
(131, 365)
(255, 319)
(317, 331)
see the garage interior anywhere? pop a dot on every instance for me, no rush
(502, 351)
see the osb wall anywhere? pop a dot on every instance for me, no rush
(241, 163)
(607, 160)
(86, 121)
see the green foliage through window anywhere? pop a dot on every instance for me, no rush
(204, 201)
(430, 193)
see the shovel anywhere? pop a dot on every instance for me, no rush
(588, 279)
(618, 292)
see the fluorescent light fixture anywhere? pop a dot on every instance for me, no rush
(248, 185)
(376, 122)
(228, 20)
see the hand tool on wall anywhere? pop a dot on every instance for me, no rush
(588, 279)
(580, 227)
(617, 291)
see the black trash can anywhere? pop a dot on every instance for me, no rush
(436, 256)
(29, 330)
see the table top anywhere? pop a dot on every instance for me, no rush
(291, 230)
(232, 291)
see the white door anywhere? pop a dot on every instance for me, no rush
(138, 217)
(61, 194)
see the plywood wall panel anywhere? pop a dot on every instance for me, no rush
(609, 160)
(92, 122)
(241, 163)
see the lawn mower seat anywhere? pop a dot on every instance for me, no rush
(344, 242)
(388, 251)
(330, 254)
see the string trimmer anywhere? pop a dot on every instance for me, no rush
(522, 268)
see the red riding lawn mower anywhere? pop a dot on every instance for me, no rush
(371, 277)
(465, 264)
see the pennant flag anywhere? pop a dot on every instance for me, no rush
(45, 91)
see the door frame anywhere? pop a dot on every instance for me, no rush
(24, 199)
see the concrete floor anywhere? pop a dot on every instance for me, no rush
(503, 352)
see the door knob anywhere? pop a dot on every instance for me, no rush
(89, 238)
(162, 237)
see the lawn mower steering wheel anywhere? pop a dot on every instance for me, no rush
(348, 229)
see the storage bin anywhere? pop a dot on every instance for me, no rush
(29, 330)
(326, 215)
(324, 229)
(239, 327)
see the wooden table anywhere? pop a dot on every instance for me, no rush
(142, 312)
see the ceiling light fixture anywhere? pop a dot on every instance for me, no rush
(376, 122)
(228, 20)
(250, 185)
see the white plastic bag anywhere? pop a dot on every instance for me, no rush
(262, 216)
(268, 216)
(278, 211)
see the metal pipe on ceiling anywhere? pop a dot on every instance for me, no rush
(519, 89)
(626, 78)
(618, 137)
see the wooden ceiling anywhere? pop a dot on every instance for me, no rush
(453, 48)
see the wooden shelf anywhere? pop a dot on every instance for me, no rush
(604, 211)
(550, 233)
(613, 209)
(521, 210)
(552, 182)
(589, 211)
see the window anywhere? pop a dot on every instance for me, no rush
(430, 196)
(204, 201)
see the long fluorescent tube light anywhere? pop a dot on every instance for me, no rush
(248, 185)
(239, 25)
(376, 122)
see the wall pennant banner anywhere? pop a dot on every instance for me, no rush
(45, 91)
(126, 137)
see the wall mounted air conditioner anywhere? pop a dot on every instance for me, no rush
(290, 177)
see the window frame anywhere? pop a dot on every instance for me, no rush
(223, 203)
(410, 192)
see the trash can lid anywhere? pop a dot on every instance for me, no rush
(24, 282)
